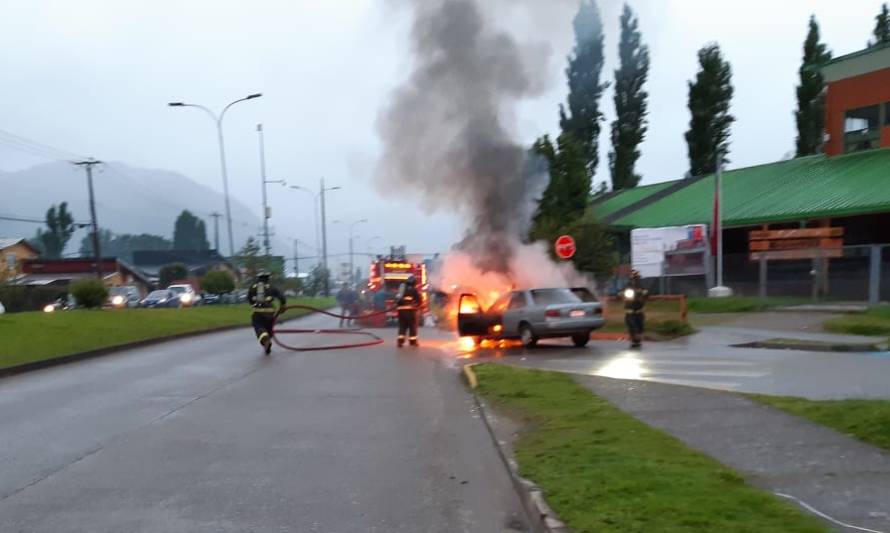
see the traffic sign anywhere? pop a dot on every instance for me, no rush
(565, 246)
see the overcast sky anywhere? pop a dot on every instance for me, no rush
(94, 77)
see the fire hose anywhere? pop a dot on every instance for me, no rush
(373, 339)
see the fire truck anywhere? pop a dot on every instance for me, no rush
(387, 274)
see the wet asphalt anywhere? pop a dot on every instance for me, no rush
(207, 435)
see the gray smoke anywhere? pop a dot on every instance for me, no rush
(447, 131)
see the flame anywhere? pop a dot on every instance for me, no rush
(469, 305)
(467, 344)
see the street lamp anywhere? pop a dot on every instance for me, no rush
(267, 213)
(351, 255)
(218, 119)
(324, 232)
(314, 197)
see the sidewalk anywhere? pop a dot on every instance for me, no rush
(838, 475)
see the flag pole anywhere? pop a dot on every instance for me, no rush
(720, 290)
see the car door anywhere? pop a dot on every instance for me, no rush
(471, 318)
(515, 313)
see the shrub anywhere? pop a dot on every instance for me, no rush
(90, 293)
(17, 298)
(217, 282)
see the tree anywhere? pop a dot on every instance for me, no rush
(172, 272)
(123, 246)
(585, 68)
(810, 114)
(248, 257)
(709, 98)
(629, 127)
(596, 252)
(218, 282)
(60, 226)
(315, 283)
(189, 233)
(565, 198)
(881, 32)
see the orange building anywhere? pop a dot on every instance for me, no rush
(857, 103)
(12, 253)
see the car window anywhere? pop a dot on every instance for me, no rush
(177, 289)
(554, 296)
(158, 294)
(584, 294)
(517, 301)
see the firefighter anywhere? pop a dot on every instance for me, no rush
(262, 296)
(408, 302)
(634, 313)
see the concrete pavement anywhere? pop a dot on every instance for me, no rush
(206, 434)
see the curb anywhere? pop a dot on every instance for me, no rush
(541, 517)
(108, 350)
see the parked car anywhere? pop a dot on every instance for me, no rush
(123, 296)
(186, 294)
(162, 298)
(211, 299)
(532, 314)
(2, 309)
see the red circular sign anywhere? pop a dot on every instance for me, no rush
(565, 246)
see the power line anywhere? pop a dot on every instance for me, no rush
(33, 147)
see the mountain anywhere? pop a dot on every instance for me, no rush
(128, 200)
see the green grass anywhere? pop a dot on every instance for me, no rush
(875, 321)
(28, 337)
(867, 420)
(662, 318)
(604, 471)
(739, 304)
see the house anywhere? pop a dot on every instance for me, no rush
(846, 187)
(12, 252)
(39, 272)
(198, 262)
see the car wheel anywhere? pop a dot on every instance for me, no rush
(581, 339)
(527, 336)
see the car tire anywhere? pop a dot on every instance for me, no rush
(527, 336)
(581, 340)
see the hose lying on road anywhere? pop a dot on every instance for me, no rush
(820, 514)
(373, 340)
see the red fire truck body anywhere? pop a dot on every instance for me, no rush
(386, 276)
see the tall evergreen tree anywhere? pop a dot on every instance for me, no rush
(629, 127)
(810, 114)
(709, 98)
(189, 233)
(565, 198)
(585, 89)
(59, 228)
(881, 32)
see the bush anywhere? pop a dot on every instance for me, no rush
(218, 282)
(90, 293)
(671, 328)
(170, 273)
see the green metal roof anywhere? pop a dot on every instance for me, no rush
(797, 189)
(623, 199)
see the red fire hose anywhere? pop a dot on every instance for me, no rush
(373, 339)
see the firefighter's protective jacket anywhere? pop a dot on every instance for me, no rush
(408, 299)
(262, 296)
(636, 303)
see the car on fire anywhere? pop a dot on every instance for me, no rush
(532, 314)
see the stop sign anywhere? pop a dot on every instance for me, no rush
(565, 246)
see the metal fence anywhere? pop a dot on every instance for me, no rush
(862, 274)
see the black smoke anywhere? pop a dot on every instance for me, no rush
(447, 130)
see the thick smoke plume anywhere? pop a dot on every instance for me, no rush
(447, 130)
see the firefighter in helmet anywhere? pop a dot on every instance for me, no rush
(408, 303)
(634, 309)
(262, 296)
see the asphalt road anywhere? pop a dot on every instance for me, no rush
(207, 435)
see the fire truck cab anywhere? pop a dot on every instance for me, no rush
(387, 274)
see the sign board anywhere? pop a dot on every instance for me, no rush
(565, 247)
(669, 251)
(796, 244)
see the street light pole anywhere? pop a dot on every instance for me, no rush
(324, 238)
(314, 197)
(351, 255)
(267, 214)
(218, 120)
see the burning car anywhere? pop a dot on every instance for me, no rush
(530, 315)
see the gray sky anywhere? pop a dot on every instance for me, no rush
(94, 77)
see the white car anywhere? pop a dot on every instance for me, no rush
(2, 309)
(186, 293)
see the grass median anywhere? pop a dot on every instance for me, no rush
(875, 321)
(29, 337)
(740, 304)
(866, 420)
(602, 470)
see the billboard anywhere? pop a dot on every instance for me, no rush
(669, 251)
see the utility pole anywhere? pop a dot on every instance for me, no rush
(88, 165)
(297, 258)
(259, 130)
(324, 244)
(216, 216)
